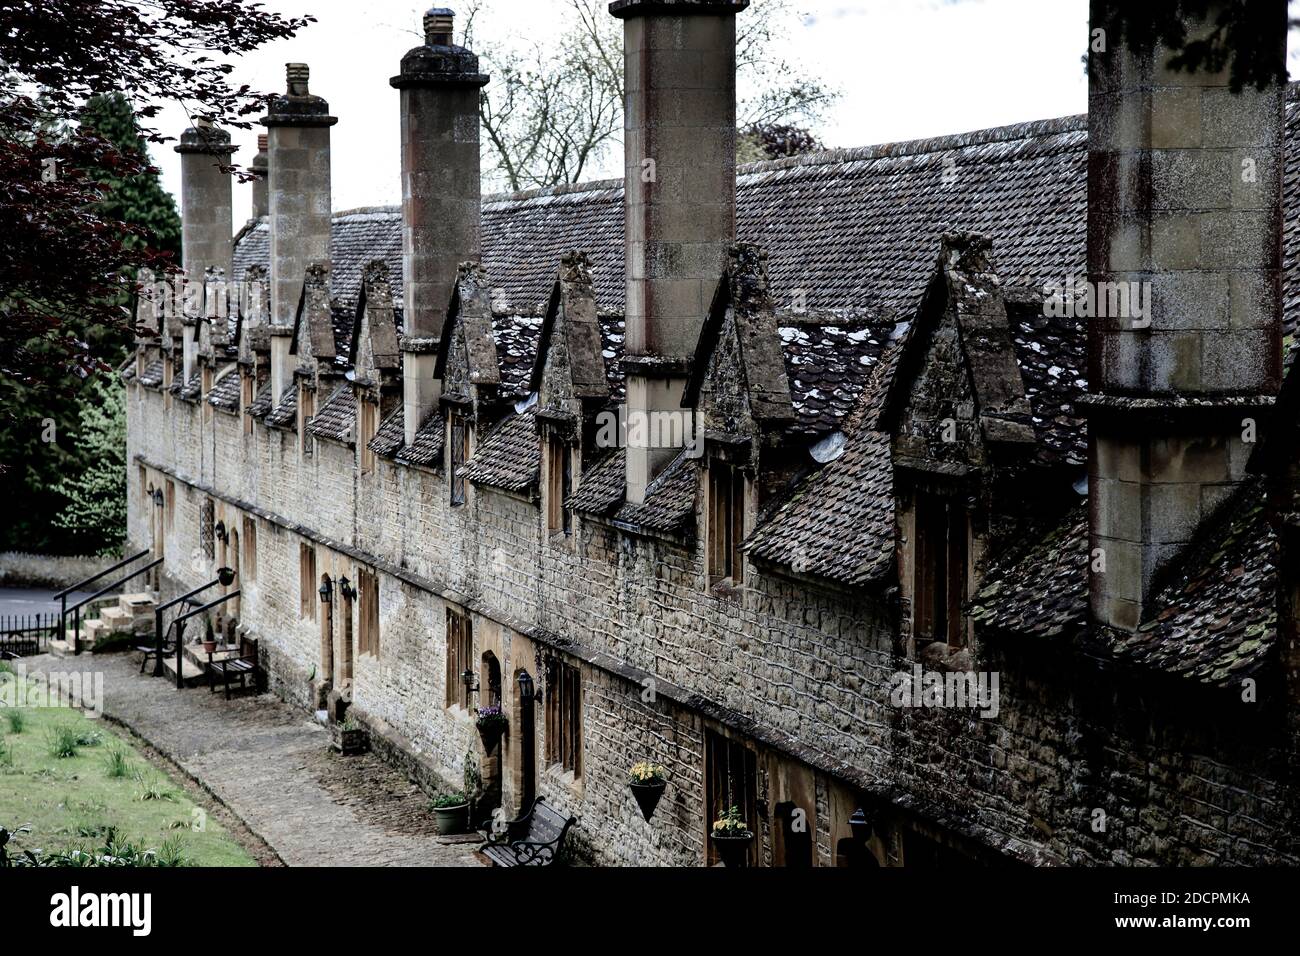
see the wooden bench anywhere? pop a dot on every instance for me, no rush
(239, 668)
(536, 838)
(150, 652)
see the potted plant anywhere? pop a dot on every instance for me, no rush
(491, 724)
(350, 737)
(731, 838)
(452, 813)
(209, 639)
(647, 781)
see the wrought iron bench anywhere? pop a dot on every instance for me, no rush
(240, 668)
(535, 838)
(150, 652)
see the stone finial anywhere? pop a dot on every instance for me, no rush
(575, 266)
(297, 75)
(438, 24)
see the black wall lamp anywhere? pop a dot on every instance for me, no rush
(327, 591)
(346, 589)
(469, 680)
(222, 534)
(158, 497)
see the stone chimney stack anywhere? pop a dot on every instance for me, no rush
(260, 170)
(441, 201)
(1184, 260)
(680, 197)
(206, 221)
(298, 146)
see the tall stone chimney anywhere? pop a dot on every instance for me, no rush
(680, 198)
(441, 202)
(298, 147)
(206, 223)
(1184, 260)
(260, 170)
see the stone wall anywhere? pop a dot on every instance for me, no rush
(800, 672)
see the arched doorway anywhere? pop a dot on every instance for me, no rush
(345, 634)
(523, 758)
(325, 678)
(238, 583)
(491, 767)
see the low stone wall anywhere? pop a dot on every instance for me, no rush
(19, 569)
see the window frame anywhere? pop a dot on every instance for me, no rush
(564, 717)
(307, 587)
(941, 567)
(559, 485)
(459, 658)
(725, 532)
(458, 452)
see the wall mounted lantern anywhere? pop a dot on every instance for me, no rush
(346, 589)
(327, 591)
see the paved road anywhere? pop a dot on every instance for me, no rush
(272, 766)
(33, 600)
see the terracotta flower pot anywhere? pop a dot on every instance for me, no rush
(209, 647)
(647, 796)
(733, 848)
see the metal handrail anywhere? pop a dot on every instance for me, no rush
(76, 608)
(95, 577)
(179, 623)
(158, 632)
(62, 596)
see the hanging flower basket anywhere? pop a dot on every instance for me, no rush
(491, 724)
(731, 838)
(648, 782)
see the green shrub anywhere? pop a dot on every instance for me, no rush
(17, 720)
(63, 741)
(117, 763)
(445, 800)
(152, 788)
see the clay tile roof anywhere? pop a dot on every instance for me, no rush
(1053, 359)
(426, 449)
(1218, 617)
(828, 367)
(286, 414)
(261, 402)
(152, 376)
(510, 457)
(225, 392)
(516, 341)
(669, 502)
(336, 419)
(839, 524)
(601, 485)
(390, 435)
(1040, 587)
(188, 391)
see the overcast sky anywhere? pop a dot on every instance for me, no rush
(905, 69)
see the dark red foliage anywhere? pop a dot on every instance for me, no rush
(64, 270)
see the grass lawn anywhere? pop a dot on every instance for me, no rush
(101, 787)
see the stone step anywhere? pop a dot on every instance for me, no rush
(60, 648)
(191, 673)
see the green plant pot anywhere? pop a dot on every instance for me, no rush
(734, 850)
(452, 819)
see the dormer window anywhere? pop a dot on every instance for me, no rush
(726, 524)
(459, 454)
(559, 484)
(939, 582)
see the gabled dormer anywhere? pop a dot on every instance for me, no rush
(467, 353)
(572, 386)
(468, 368)
(740, 395)
(254, 340)
(957, 414)
(313, 346)
(376, 360)
(958, 397)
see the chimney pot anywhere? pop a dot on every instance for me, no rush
(261, 142)
(297, 75)
(438, 24)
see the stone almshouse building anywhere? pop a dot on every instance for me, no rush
(909, 460)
